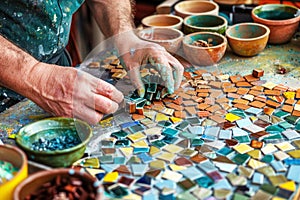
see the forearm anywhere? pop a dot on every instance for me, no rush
(113, 16)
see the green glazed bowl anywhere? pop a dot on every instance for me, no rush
(205, 23)
(56, 126)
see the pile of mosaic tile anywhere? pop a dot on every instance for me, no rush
(217, 137)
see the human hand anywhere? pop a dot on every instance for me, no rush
(136, 53)
(65, 91)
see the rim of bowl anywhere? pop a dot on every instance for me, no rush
(294, 19)
(204, 27)
(52, 172)
(74, 148)
(177, 7)
(202, 33)
(180, 20)
(161, 28)
(23, 157)
(246, 24)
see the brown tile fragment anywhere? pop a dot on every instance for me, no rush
(222, 100)
(241, 101)
(210, 101)
(184, 95)
(233, 96)
(201, 94)
(257, 104)
(268, 111)
(221, 112)
(198, 158)
(203, 90)
(228, 125)
(259, 134)
(261, 98)
(191, 110)
(241, 106)
(174, 106)
(258, 88)
(227, 84)
(236, 78)
(231, 142)
(182, 161)
(287, 108)
(296, 113)
(216, 93)
(137, 117)
(242, 91)
(255, 92)
(256, 144)
(261, 123)
(258, 73)
(187, 75)
(202, 114)
(215, 84)
(180, 114)
(200, 71)
(191, 92)
(272, 92)
(290, 101)
(229, 89)
(272, 104)
(197, 99)
(250, 78)
(217, 118)
(213, 108)
(244, 84)
(178, 101)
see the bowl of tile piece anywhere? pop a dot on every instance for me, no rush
(168, 38)
(204, 48)
(60, 183)
(247, 39)
(56, 142)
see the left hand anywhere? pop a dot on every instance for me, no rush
(137, 53)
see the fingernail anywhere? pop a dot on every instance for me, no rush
(141, 92)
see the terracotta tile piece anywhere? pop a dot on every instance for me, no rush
(268, 111)
(180, 114)
(290, 101)
(261, 98)
(272, 92)
(203, 94)
(255, 92)
(272, 104)
(203, 106)
(136, 117)
(240, 101)
(175, 106)
(236, 78)
(225, 106)
(258, 73)
(178, 101)
(215, 84)
(217, 118)
(251, 78)
(257, 104)
(213, 108)
(243, 84)
(256, 144)
(198, 158)
(189, 103)
(281, 87)
(258, 88)
(242, 91)
(296, 113)
(191, 110)
(241, 106)
(202, 114)
(203, 90)
(297, 94)
(210, 101)
(197, 99)
(233, 95)
(287, 108)
(222, 100)
(229, 89)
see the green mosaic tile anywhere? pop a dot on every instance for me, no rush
(225, 151)
(239, 113)
(158, 143)
(119, 134)
(269, 188)
(238, 196)
(273, 129)
(196, 142)
(241, 159)
(268, 158)
(285, 125)
(291, 119)
(187, 135)
(243, 139)
(204, 181)
(281, 114)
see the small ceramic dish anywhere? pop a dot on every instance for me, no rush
(35, 182)
(187, 8)
(204, 23)
(163, 21)
(169, 38)
(18, 159)
(204, 48)
(47, 132)
(282, 20)
(247, 39)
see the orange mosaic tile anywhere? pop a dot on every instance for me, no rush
(241, 106)
(257, 104)
(272, 104)
(222, 100)
(203, 106)
(258, 73)
(268, 111)
(236, 78)
(240, 101)
(189, 103)
(272, 92)
(180, 114)
(191, 110)
(233, 95)
(174, 106)
(198, 158)
(256, 144)
(227, 84)
(217, 118)
(191, 92)
(281, 87)
(242, 91)
(225, 106)
(296, 113)
(258, 88)
(290, 101)
(204, 90)
(297, 94)
(243, 84)
(136, 117)
(255, 92)
(216, 94)
(184, 95)
(210, 101)
(251, 78)
(201, 94)
(203, 114)
(260, 98)
(213, 108)
(215, 84)
(178, 101)
(287, 108)
(229, 89)
(197, 99)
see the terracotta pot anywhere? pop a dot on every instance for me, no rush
(163, 21)
(204, 56)
(282, 20)
(169, 38)
(247, 39)
(187, 8)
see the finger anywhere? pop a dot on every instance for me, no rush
(87, 114)
(104, 105)
(107, 90)
(136, 80)
(178, 73)
(166, 73)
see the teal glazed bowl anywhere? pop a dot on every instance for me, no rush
(282, 20)
(205, 23)
(46, 132)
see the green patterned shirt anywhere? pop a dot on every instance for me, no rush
(40, 27)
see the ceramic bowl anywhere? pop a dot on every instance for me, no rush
(169, 38)
(18, 159)
(247, 39)
(187, 8)
(37, 180)
(204, 56)
(204, 23)
(164, 21)
(282, 20)
(52, 128)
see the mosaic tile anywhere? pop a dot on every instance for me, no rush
(186, 195)
(138, 169)
(288, 185)
(281, 155)
(258, 178)
(236, 180)
(134, 159)
(188, 152)
(243, 122)
(245, 171)
(268, 149)
(254, 111)
(161, 184)
(175, 167)
(225, 134)
(232, 117)
(261, 195)
(277, 179)
(242, 139)
(123, 169)
(207, 166)
(166, 156)
(291, 134)
(185, 143)
(255, 164)
(225, 167)
(242, 148)
(204, 182)
(154, 173)
(278, 166)
(240, 159)
(267, 171)
(172, 148)
(182, 161)
(171, 175)
(202, 193)
(126, 181)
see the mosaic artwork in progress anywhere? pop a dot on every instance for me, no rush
(217, 137)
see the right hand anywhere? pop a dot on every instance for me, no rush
(65, 91)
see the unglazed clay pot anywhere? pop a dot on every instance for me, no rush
(169, 38)
(282, 20)
(163, 21)
(204, 56)
(247, 39)
(204, 23)
(187, 8)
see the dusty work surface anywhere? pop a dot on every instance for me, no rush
(193, 158)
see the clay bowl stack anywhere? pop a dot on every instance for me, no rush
(163, 21)
(282, 20)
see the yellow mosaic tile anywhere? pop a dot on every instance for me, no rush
(232, 117)
(141, 143)
(161, 117)
(171, 175)
(175, 167)
(93, 171)
(253, 118)
(278, 179)
(242, 148)
(267, 171)
(172, 148)
(126, 151)
(111, 177)
(289, 185)
(269, 85)
(295, 153)
(132, 196)
(285, 146)
(157, 164)
(281, 155)
(255, 164)
(136, 137)
(256, 154)
(154, 150)
(289, 95)
(175, 120)
(166, 156)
